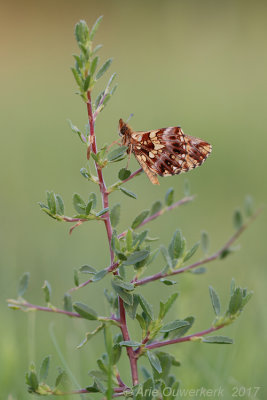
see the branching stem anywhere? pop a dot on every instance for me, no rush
(188, 338)
(206, 260)
(105, 202)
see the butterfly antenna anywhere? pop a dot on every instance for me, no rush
(130, 116)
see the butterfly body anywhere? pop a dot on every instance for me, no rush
(164, 152)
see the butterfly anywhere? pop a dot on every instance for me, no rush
(164, 152)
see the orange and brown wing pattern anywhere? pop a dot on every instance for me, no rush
(167, 151)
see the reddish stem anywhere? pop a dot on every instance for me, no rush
(104, 194)
(111, 268)
(159, 213)
(213, 257)
(126, 336)
(102, 186)
(156, 345)
(50, 309)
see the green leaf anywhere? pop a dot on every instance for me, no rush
(198, 271)
(87, 83)
(99, 275)
(78, 203)
(47, 291)
(167, 282)
(237, 219)
(59, 205)
(75, 130)
(154, 361)
(156, 207)
(98, 99)
(44, 368)
(215, 301)
(205, 241)
(139, 238)
(60, 378)
(87, 269)
(95, 28)
(75, 277)
(121, 255)
(217, 339)
(236, 300)
(112, 91)
(225, 253)
(171, 326)
(131, 309)
(141, 321)
(94, 65)
(92, 197)
(117, 154)
(169, 197)
(191, 252)
(93, 388)
(77, 78)
(115, 215)
(248, 206)
(23, 284)
(147, 308)
(32, 380)
(182, 331)
(103, 69)
(165, 307)
(124, 294)
(88, 207)
(129, 239)
(139, 219)
(166, 256)
(102, 212)
(85, 173)
(116, 354)
(128, 193)
(176, 245)
(124, 173)
(246, 298)
(67, 302)
(51, 202)
(84, 311)
(124, 285)
(81, 32)
(115, 243)
(130, 343)
(136, 257)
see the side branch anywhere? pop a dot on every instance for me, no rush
(161, 212)
(111, 268)
(29, 306)
(188, 338)
(206, 260)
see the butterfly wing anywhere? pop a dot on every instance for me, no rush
(169, 151)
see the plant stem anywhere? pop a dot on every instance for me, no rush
(41, 308)
(126, 336)
(102, 186)
(111, 268)
(206, 260)
(161, 212)
(156, 345)
(105, 202)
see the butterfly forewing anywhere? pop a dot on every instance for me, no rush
(166, 151)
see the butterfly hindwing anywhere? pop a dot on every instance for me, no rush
(166, 151)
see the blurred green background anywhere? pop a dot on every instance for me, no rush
(198, 64)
